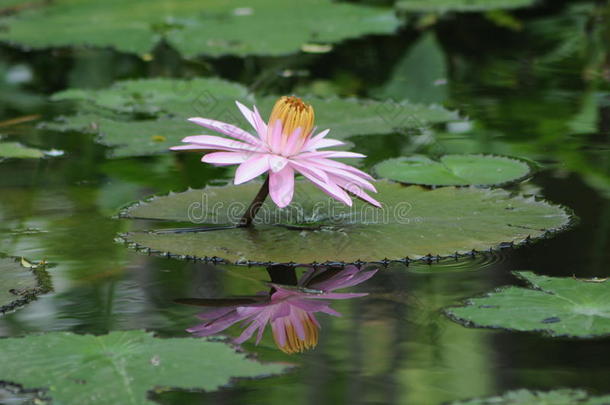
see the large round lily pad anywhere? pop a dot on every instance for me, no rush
(20, 282)
(121, 367)
(554, 305)
(454, 170)
(527, 397)
(414, 222)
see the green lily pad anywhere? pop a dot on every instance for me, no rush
(443, 6)
(216, 27)
(121, 367)
(527, 397)
(15, 150)
(142, 117)
(20, 282)
(553, 305)
(454, 170)
(414, 222)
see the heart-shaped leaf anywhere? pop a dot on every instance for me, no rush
(454, 170)
(414, 222)
(554, 305)
(121, 367)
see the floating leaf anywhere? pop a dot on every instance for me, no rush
(214, 28)
(140, 117)
(18, 151)
(443, 6)
(527, 397)
(454, 170)
(121, 367)
(20, 282)
(554, 305)
(413, 222)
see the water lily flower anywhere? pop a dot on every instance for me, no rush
(283, 147)
(290, 311)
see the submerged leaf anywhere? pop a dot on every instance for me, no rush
(21, 281)
(527, 397)
(142, 117)
(554, 305)
(454, 170)
(121, 367)
(413, 222)
(213, 27)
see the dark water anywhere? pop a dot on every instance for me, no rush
(393, 346)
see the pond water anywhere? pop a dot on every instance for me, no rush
(523, 96)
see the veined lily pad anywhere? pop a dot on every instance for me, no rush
(20, 282)
(554, 305)
(454, 170)
(527, 397)
(443, 6)
(121, 367)
(413, 223)
(141, 117)
(18, 151)
(215, 27)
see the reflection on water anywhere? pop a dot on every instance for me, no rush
(290, 309)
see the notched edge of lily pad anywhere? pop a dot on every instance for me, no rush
(533, 168)
(123, 238)
(468, 302)
(39, 396)
(24, 297)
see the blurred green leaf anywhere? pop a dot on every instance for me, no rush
(443, 6)
(215, 27)
(527, 397)
(18, 151)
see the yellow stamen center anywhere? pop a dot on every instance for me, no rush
(294, 344)
(293, 113)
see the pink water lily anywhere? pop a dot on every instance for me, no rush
(282, 148)
(289, 311)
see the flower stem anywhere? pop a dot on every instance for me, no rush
(255, 205)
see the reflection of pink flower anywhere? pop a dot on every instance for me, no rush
(283, 148)
(290, 311)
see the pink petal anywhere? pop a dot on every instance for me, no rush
(311, 169)
(276, 137)
(357, 191)
(332, 163)
(261, 126)
(331, 154)
(226, 129)
(277, 163)
(329, 188)
(251, 168)
(351, 177)
(247, 113)
(217, 142)
(322, 143)
(294, 143)
(281, 186)
(279, 331)
(224, 158)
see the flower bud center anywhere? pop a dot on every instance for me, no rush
(293, 113)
